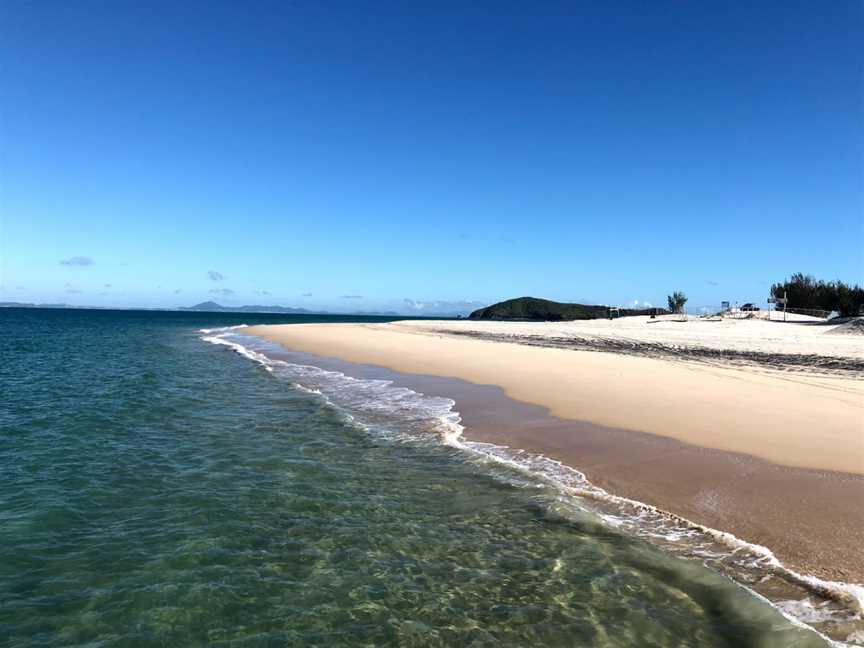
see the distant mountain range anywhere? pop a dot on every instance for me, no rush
(532, 308)
(27, 305)
(213, 307)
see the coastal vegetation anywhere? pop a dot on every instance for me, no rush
(806, 292)
(533, 308)
(676, 301)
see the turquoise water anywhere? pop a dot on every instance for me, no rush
(158, 490)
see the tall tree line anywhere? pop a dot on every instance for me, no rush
(804, 291)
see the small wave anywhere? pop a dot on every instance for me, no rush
(649, 521)
(406, 414)
(380, 402)
(223, 329)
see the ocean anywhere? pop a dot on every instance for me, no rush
(165, 481)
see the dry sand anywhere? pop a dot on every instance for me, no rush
(760, 406)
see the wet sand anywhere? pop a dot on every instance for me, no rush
(810, 519)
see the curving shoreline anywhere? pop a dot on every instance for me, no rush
(792, 418)
(808, 516)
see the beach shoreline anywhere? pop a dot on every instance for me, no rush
(808, 516)
(792, 418)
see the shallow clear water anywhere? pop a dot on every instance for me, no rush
(156, 490)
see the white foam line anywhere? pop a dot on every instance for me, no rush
(850, 595)
(223, 329)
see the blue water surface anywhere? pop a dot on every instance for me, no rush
(157, 490)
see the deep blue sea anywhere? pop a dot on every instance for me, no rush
(157, 489)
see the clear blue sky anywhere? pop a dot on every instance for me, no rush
(350, 155)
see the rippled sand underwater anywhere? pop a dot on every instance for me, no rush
(156, 490)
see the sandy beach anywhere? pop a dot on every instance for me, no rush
(809, 419)
(754, 445)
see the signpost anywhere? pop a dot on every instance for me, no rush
(778, 300)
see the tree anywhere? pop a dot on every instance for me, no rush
(804, 291)
(676, 301)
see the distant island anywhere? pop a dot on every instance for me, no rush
(213, 307)
(29, 305)
(533, 308)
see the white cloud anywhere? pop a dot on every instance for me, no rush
(462, 307)
(637, 304)
(215, 276)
